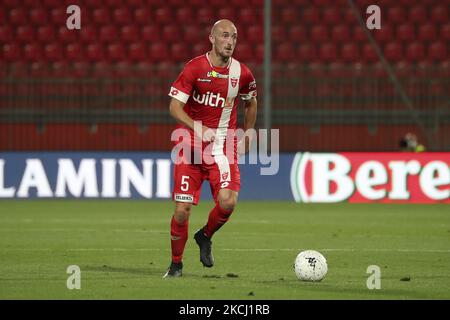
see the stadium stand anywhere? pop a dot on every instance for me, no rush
(153, 39)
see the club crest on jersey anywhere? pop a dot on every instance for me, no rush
(234, 82)
(224, 176)
(215, 74)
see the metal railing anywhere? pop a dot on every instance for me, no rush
(302, 96)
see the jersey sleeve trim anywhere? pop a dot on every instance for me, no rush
(248, 96)
(178, 94)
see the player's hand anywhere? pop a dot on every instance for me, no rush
(208, 134)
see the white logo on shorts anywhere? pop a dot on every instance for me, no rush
(184, 197)
(224, 185)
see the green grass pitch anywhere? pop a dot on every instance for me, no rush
(122, 249)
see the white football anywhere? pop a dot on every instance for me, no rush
(310, 265)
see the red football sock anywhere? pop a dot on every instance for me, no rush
(217, 218)
(178, 238)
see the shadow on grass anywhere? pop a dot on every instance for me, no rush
(148, 271)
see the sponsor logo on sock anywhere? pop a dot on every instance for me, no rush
(175, 238)
(184, 197)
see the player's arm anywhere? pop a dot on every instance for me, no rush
(250, 112)
(177, 112)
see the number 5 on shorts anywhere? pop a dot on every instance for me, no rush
(184, 183)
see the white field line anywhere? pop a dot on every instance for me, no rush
(234, 249)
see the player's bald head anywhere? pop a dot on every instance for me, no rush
(221, 25)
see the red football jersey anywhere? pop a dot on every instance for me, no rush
(210, 93)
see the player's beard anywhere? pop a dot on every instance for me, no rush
(224, 56)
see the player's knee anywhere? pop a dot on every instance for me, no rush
(182, 212)
(227, 202)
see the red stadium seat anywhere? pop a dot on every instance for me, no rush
(244, 52)
(39, 69)
(136, 3)
(206, 15)
(445, 32)
(159, 52)
(323, 3)
(311, 15)
(307, 52)
(6, 34)
(289, 16)
(258, 53)
(402, 69)
(427, 32)
(393, 51)
(171, 33)
(66, 36)
(331, 15)
(328, 52)
(59, 16)
(122, 16)
(349, 17)
(180, 52)
(101, 16)
(415, 51)
(53, 52)
(137, 52)
(116, 52)
(108, 33)
(338, 70)
(437, 51)
(142, 16)
(439, 14)
(297, 33)
(93, 3)
(18, 16)
(191, 33)
(88, 34)
(319, 34)
(278, 33)
(350, 52)
(424, 68)
(150, 33)
(75, 52)
(340, 33)
(396, 14)
(418, 14)
(254, 34)
(46, 33)
(227, 13)
(39, 16)
(384, 35)
(25, 34)
(184, 13)
(129, 33)
(95, 52)
(359, 34)
(249, 16)
(369, 53)
(163, 15)
(33, 52)
(406, 32)
(51, 3)
(113, 3)
(200, 48)
(102, 69)
(284, 52)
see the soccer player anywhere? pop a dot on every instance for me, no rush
(206, 93)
